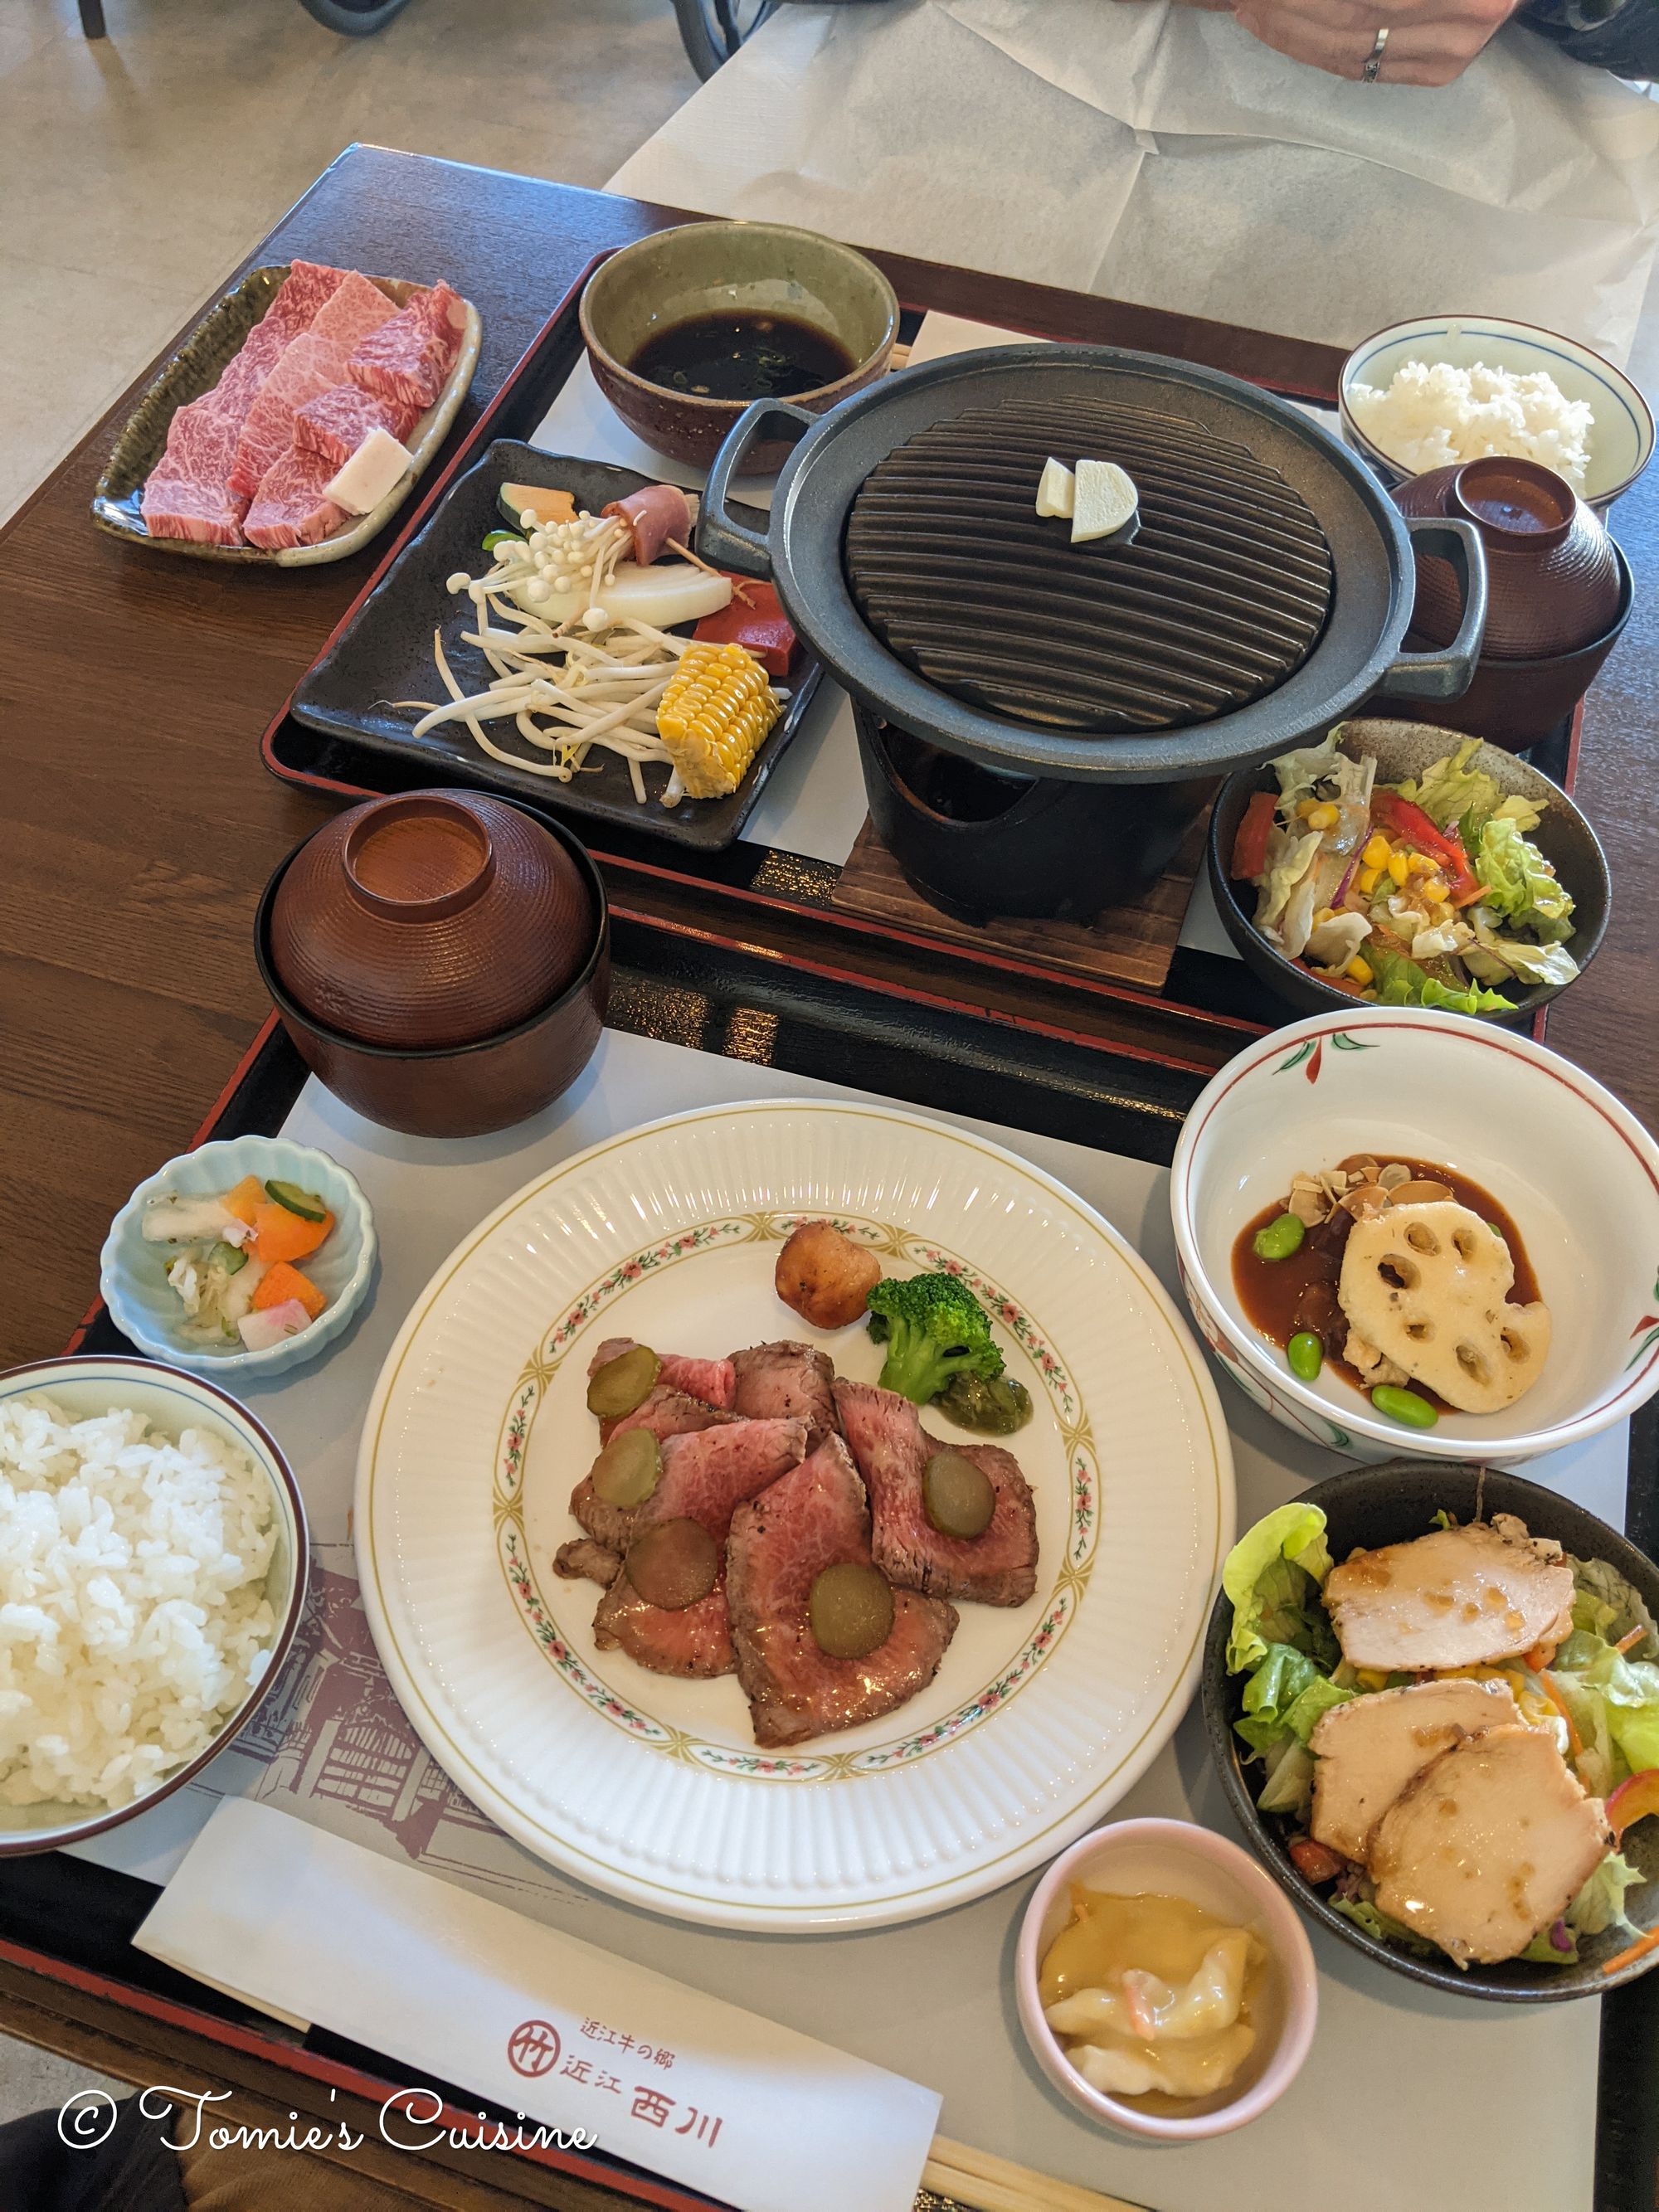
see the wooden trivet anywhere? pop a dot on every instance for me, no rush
(1124, 944)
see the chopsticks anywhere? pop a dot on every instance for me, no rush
(974, 2177)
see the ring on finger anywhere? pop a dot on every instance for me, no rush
(1373, 68)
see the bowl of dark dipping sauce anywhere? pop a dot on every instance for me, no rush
(686, 328)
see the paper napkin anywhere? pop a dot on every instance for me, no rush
(458, 1989)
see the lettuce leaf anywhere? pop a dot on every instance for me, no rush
(1328, 769)
(1272, 1575)
(1520, 885)
(1289, 858)
(1401, 983)
(1450, 790)
(1596, 1763)
(1609, 1606)
(1285, 1696)
(1378, 1926)
(1599, 1905)
(1288, 1786)
(1628, 1690)
(1544, 1951)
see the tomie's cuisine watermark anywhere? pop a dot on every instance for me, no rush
(410, 2119)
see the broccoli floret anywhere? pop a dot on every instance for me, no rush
(995, 1409)
(933, 1328)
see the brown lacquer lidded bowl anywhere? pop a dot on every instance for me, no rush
(439, 959)
(1558, 594)
(433, 919)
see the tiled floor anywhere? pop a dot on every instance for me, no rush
(137, 170)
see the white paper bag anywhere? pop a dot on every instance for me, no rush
(1160, 154)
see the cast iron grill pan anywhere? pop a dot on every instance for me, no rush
(1212, 599)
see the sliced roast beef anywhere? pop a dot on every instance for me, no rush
(812, 1518)
(583, 1561)
(787, 1381)
(892, 1449)
(710, 1380)
(695, 1641)
(707, 1474)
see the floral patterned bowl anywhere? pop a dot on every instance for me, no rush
(1577, 1173)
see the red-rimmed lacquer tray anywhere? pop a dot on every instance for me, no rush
(72, 1921)
(1207, 1007)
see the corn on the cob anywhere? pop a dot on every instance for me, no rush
(713, 717)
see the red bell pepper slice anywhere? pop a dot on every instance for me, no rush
(760, 627)
(1314, 1861)
(1250, 843)
(1401, 817)
(1637, 1798)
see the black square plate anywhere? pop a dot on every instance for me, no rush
(385, 653)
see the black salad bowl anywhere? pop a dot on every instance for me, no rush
(1365, 1508)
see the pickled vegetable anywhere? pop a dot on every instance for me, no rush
(850, 1607)
(994, 1408)
(957, 1496)
(628, 1469)
(623, 1383)
(674, 1564)
(297, 1200)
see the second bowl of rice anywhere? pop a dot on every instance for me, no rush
(153, 1574)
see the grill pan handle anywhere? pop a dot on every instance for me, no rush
(720, 538)
(1447, 672)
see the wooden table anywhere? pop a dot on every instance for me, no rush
(139, 825)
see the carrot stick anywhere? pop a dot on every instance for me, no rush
(1575, 1741)
(1639, 1949)
(1626, 1642)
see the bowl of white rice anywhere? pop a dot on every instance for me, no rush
(1447, 388)
(153, 1567)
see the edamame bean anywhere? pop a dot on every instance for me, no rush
(1306, 1354)
(1279, 1238)
(1404, 1406)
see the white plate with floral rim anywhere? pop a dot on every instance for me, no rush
(1040, 1716)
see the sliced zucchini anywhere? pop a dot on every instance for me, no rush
(231, 1258)
(297, 1202)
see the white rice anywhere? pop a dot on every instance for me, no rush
(1433, 415)
(133, 1618)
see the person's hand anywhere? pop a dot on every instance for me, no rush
(1429, 41)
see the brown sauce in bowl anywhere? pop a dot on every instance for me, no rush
(1280, 1297)
(742, 357)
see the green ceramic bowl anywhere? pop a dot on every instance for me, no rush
(734, 268)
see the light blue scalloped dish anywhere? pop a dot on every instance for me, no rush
(133, 1276)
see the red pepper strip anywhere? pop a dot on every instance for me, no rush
(1637, 1798)
(761, 627)
(1314, 1861)
(1250, 844)
(1401, 817)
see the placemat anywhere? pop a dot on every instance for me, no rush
(1499, 2098)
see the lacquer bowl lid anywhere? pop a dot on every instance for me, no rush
(435, 918)
(1552, 581)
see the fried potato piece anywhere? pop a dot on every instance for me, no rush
(825, 1277)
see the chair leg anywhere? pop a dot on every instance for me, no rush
(92, 19)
